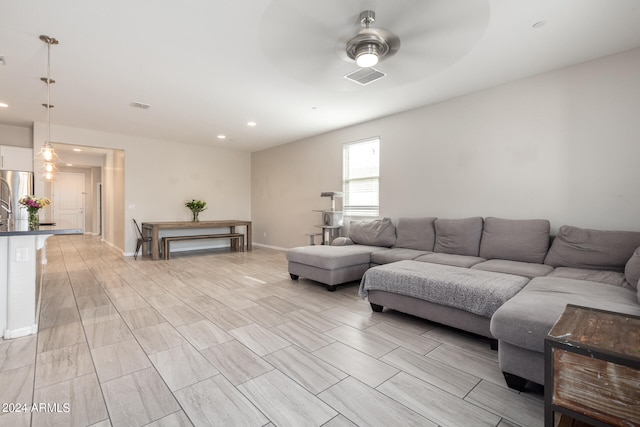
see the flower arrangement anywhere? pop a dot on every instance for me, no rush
(196, 207)
(33, 204)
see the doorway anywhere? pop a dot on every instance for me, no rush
(69, 196)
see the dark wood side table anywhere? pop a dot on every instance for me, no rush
(592, 368)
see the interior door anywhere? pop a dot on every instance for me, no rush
(68, 200)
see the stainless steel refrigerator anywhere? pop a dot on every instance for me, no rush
(14, 185)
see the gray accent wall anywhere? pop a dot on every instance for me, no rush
(562, 145)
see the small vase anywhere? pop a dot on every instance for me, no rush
(195, 216)
(34, 220)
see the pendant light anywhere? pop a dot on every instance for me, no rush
(47, 152)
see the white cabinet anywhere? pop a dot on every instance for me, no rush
(16, 158)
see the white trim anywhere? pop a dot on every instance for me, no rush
(278, 248)
(20, 332)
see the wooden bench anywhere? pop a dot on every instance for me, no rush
(237, 241)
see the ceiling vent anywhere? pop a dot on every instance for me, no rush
(364, 76)
(142, 105)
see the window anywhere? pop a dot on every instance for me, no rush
(361, 162)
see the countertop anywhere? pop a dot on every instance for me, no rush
(21, 228)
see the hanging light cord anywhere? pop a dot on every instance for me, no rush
(49, 41)
(47, 150)
(48, 93)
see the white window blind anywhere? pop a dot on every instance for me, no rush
(361, 163)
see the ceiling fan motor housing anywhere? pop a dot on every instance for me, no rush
(370, 40)
(367, 41)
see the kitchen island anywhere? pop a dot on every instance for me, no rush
(22, 257)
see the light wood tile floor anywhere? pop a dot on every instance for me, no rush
(227, 338)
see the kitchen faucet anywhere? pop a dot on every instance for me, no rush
(7, 205)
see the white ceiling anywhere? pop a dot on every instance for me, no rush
(207, 67)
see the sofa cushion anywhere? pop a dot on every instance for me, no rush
(379, 232)
(416, 233)
(632, 269)
(615, 278)
(450, 259)
(526, 319)
(341, 241)
(458, 236)
(526, 269)
(525, 240)
(387, 256)
(331, 257)
(592, 249)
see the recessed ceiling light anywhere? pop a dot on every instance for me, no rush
(69, 164)
(77, 149)
(3, 105)
(252, 124)
(222, 137)
(3, 60)
(539, 24)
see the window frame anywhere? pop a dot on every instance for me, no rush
(362, 210)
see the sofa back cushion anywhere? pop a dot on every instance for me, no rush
(632, 269)
(592, 249)
(379, 232)
(525, 240)
(416, 233)
(458, 236)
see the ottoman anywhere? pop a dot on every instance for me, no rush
(455, 296)
(331, 265)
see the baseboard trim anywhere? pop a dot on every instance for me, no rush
(262, 245)
(20, 332)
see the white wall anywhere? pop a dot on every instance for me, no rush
(562, 145)
(16, 135)
(114, 199)
(160, 176)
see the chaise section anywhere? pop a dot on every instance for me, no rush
(445, 315)
(479, 293)
(523, 322)
(331, 265)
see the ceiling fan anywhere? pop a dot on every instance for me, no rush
(371, 45)
(320, 43)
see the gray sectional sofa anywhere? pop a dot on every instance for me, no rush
(508, 280)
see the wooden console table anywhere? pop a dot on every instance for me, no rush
(592, 368)
(153, 229)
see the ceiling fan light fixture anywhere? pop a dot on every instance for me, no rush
(370, 45)
(367, 55)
